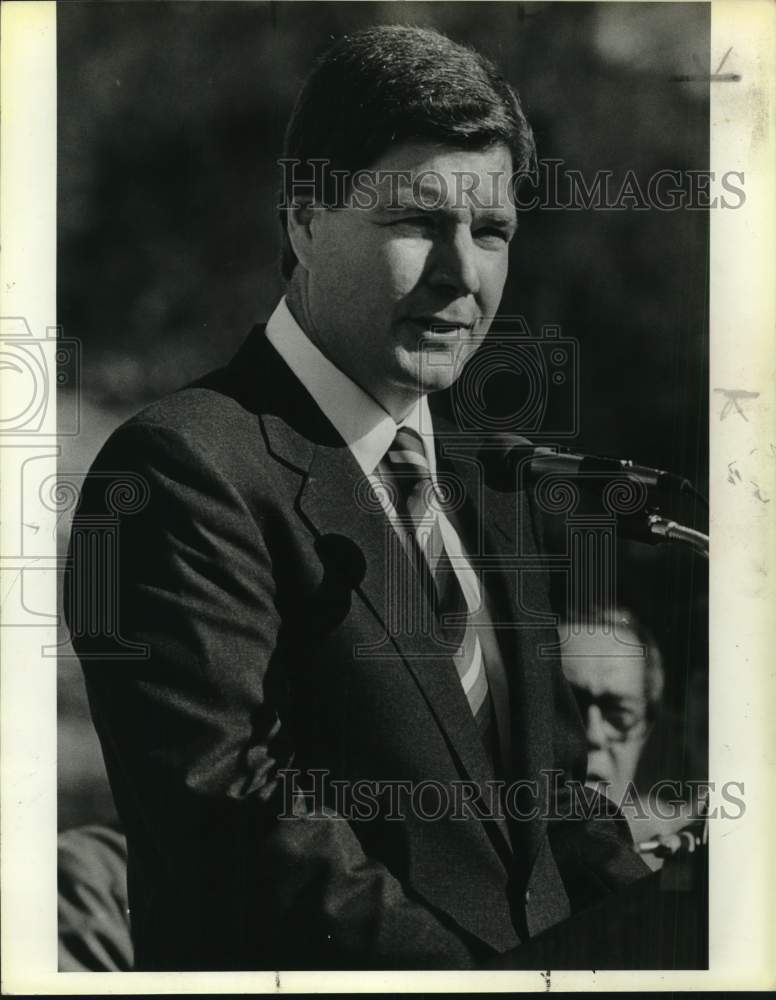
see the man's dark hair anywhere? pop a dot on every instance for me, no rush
(390, 84)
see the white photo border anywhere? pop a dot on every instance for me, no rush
(743, 544)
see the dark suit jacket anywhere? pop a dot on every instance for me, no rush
(255, 578)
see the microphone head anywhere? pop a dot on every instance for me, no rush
(500, 458)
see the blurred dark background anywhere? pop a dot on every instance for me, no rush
(171, 118)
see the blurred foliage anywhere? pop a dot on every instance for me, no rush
(171, 118)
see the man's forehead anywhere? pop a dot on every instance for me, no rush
(429, 176)
(601, 662)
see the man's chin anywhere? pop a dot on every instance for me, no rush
(428, 386)
(600, 784)
(434, 367)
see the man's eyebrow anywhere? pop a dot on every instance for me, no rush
(407, 202)
(496, 217)
(427, 198)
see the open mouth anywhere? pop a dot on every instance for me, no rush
(433, 327)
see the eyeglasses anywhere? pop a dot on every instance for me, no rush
(620, 720)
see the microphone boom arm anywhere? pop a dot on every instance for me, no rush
(506, 457)
(665, 530)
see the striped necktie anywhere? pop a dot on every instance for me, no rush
(417, 506)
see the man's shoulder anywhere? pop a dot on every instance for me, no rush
(201, 412)
(237, 392)
(217, 415)
(228, 418)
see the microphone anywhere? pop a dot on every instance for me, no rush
(506, 455)
(342, 560)
(344, 568)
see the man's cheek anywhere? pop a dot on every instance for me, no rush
(625, 761)
(404, 262)
(495, 291)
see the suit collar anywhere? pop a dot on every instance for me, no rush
(362, 423)
(366, 428)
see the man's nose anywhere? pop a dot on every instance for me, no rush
(595, 729)
(455, 262)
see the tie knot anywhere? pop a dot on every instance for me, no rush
(410, 470)
(407, 454)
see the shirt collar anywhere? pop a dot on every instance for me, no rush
(366, 428)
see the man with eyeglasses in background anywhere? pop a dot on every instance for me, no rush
(615, 668)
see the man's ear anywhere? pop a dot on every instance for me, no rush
(299, 221)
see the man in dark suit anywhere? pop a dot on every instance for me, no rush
(319, 666)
